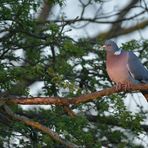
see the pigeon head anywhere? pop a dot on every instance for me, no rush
(111, 46)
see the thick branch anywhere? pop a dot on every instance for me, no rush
(127, 8)
(117, 27)
(40, 127)
(122, 15)
(45, 11)
(122, 31)
(75, 100)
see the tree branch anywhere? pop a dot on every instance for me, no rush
(122, 31)
(75, 100)
(40, 127)
(110, 120)
(45, 11)
(90, 20)
(122, 15)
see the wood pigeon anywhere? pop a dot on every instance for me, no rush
(124, 67)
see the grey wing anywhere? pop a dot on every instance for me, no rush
(136, 69)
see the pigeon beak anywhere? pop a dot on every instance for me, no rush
(103, 46)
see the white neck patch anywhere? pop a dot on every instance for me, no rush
(117, 52)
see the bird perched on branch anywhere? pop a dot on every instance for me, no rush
(124, 67)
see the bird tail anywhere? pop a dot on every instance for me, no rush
(145, 93)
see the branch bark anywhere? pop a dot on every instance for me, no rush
(76, 100)
(40, 127)
(45, 10)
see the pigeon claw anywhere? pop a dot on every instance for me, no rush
(118, 86)
(125, 86)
